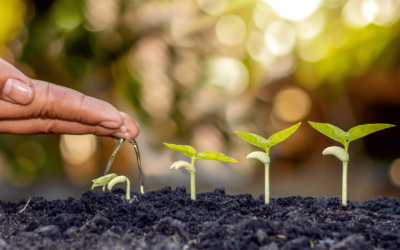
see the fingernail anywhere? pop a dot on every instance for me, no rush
(109, 124)
(17, 91)
(120, 135)
(123, 128)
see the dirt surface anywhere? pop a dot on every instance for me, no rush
(166, 219)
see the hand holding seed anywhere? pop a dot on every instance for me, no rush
(36, 107)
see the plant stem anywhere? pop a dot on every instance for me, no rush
(193, 186)
(344, 178)
(266, 195)
(344, 184)
(128, 189)
(193, 182)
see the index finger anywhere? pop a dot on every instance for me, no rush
(57, 102)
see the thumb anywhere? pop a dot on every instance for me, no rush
(15, 87)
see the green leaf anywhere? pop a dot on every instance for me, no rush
(215, 156)
(363, 130)
(253, 139)
(331, 131)
(103, 180)
(187, 150)
(282, 135)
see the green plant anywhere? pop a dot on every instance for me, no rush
(266, 144)
(111, 180)
(194, 155)
(345, 138)
(110, 161)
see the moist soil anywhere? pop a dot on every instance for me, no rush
(169, 219)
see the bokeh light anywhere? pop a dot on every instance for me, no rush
(280, 38)
(263, 15)
(313, 51)
(257, 48)
(77, 149)
(227, 73)
(11, 14)
(33, 151)
(213, 7)
(230, 30)
(312, 26)
(282, 66)
(294, 10)
(292, 104)
(100, 14)
(358, 13)
(395, 172)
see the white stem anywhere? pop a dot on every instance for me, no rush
(266, 184)
(118, 180)
(193, 186)
(344, 184)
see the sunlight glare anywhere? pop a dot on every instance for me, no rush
(294, 10)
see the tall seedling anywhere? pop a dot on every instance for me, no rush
(345, 138)
(194, 155)
(266, 144)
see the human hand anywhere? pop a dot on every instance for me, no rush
(37, 107)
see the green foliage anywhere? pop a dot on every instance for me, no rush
(363, 130)
(272, 140)
(192, 153)
(282, 135)
(214, 156)
(103, 180)
(355, 133)
(331, 131)
(254, 139)
(187, 150)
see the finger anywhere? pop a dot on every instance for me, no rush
(48, 126)
(15, 87)
(131, 127)
(57, 102)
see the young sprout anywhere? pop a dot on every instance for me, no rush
(194, 155)
(110, 161)
(266, 144)
(345, 138)
(111, 180)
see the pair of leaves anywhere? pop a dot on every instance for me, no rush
(192, 153)
(355, 133)
(103, 180)
(271, 141)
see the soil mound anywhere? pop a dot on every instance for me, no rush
(167, 219)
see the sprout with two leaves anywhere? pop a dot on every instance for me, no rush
(266, 144)
(345, 138)
(111, 180)
(194, 155)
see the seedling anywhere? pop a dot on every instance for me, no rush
(345, 138)
(111, 180)
(266, 144)
(194, 155)
(110, 161)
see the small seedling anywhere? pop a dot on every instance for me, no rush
(345, 138)
(266, 144)
(194, 155)
(110, 161)
(111, 180)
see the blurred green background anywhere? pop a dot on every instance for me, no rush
(192, 72)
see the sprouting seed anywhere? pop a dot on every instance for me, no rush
(345, 138)
(266, 144)
(111, 180)
(194, 155)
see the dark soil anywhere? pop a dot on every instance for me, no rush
(167, 219)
